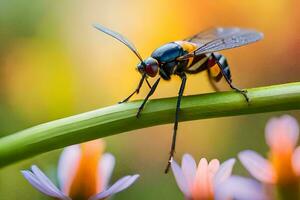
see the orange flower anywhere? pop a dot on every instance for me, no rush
(202, 182)
(214, 181)
(283, 166)
(83, 173)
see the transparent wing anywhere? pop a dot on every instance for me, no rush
(119, 37)
(211, 34)
(218, 39)
(237, 39)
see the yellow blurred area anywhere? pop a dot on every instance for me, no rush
(38, 77)
(53, 64)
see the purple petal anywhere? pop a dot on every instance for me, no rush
(257, 166)
(36, 183)
(44, 180)
(180, 179)
(224, 171)
(105, 168)
(67, 166)
(236, 187)
(43, 185)
(189, 168)
(120, 185)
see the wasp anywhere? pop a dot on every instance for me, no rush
(192, 55)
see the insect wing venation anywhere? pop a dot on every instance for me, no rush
(218, 39)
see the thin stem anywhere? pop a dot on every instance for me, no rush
(122, 117)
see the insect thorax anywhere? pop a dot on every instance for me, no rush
(167, 56)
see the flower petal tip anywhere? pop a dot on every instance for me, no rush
(188, 156)
(118, 186)
(180, 178)
(284, 129)
(237, 187)
(257, 166)
(224, 171)
(26, 173)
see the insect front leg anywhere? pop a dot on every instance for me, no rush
(223, 65)
(180, 93)
(153, 88)
(137, 90)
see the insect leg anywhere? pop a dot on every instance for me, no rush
(153, 88)
(223, 65)
(148, 84)
(136, 90)
(180, 93)
(212, 81)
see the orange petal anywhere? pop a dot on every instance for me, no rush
(202, 186)
(213, 167)
(282, 163)
(86, 178)
(296, 161)
(282, 134)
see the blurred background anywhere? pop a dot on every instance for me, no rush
(54, 64)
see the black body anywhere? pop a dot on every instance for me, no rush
(189, 56)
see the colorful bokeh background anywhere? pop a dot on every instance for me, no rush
(54, 64)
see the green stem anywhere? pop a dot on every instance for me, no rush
(288, 191)
(121, 118)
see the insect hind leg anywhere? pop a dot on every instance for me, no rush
(213, 79)
(221, 61)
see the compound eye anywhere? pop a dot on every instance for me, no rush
(152, 69)
(141, 68)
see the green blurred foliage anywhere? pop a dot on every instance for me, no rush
(18, 19)
(54, 64)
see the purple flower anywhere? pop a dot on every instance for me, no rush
(83, 173)
(240, 188)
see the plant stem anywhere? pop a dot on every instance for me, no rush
(121, 118)
(288, 191)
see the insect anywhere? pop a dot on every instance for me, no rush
(189, 56)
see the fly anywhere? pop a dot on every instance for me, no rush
(189, 56)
